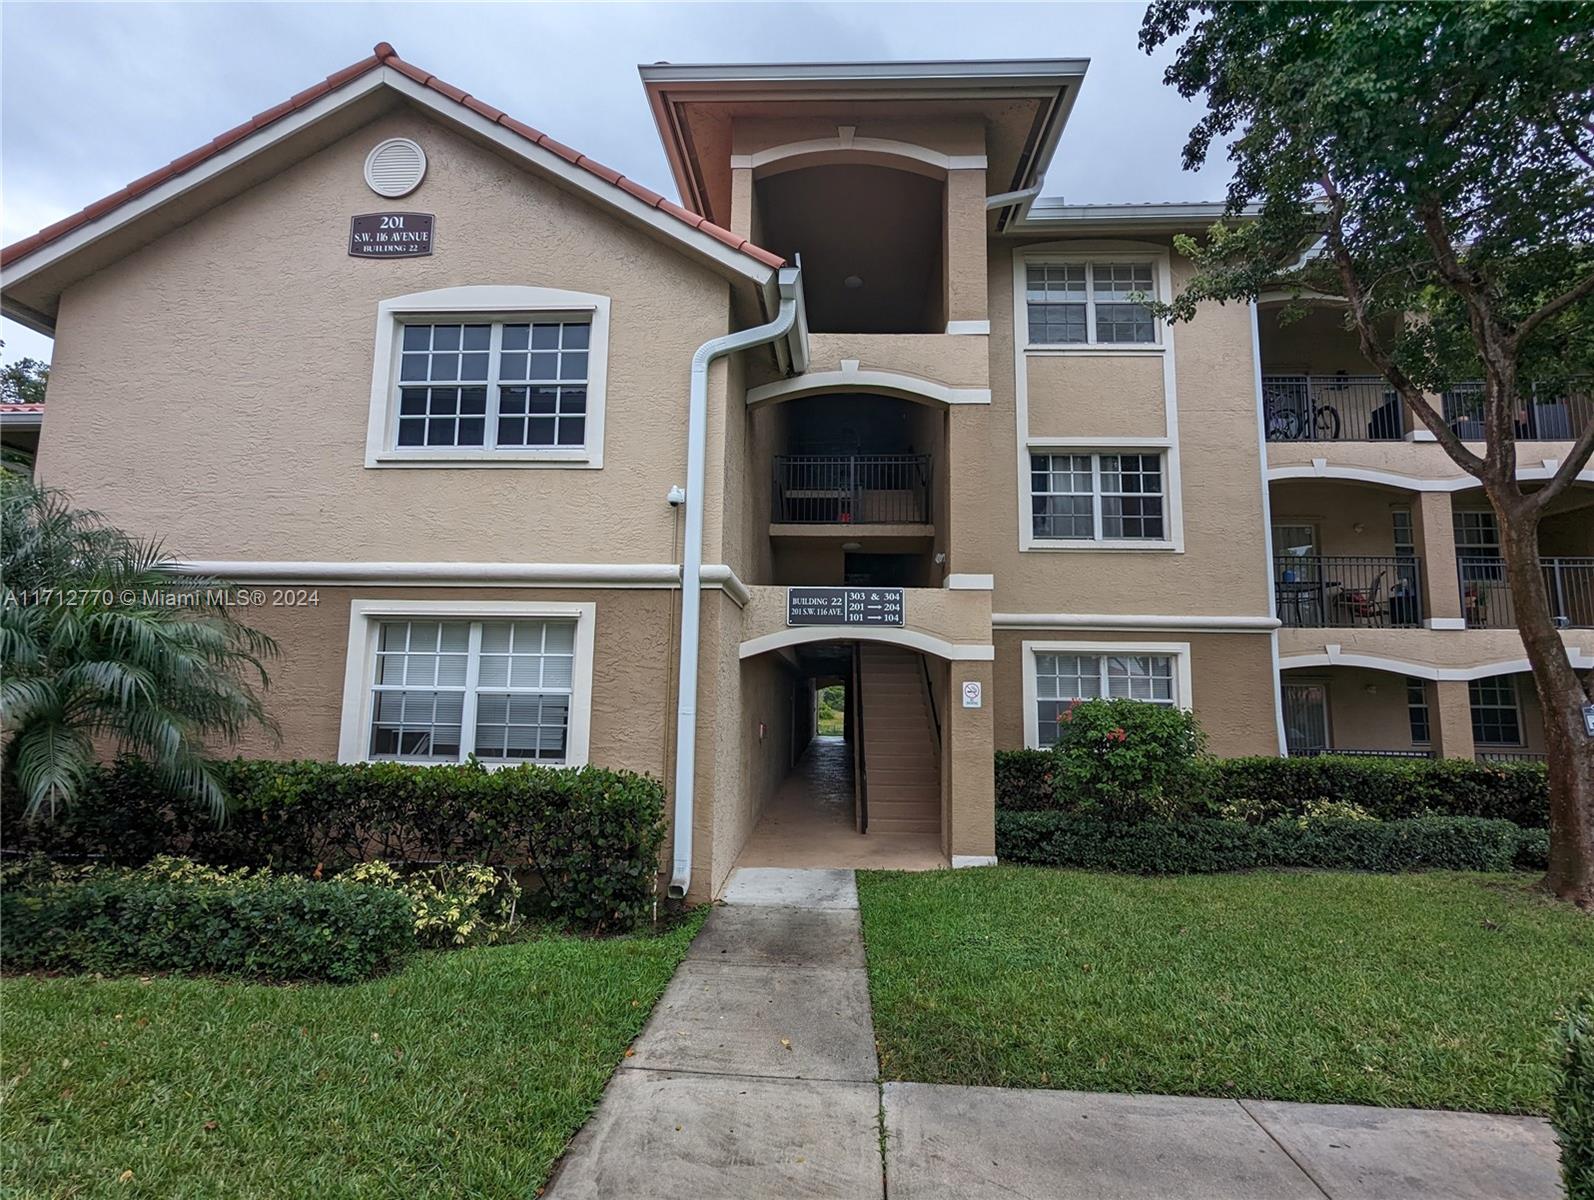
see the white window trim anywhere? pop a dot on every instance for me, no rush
(483, 302)
(1172, 516)
(1123, 251)
(1157, 260)
(365, 619)
(1183, 691)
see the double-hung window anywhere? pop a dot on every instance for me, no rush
(1090, 303)
(1495, 719)
(1097, 497)
(1061, 679)
(516, 385)
(489, 376)
(501, 690)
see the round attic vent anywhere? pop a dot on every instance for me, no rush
(395, 167)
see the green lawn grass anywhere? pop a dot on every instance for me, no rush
(1433, 990)
(463, 1074)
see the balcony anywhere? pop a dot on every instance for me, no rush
(852, 489)
(1331, 408)
(1547, 412)
(1364, 408)
(1348, 592)
(1486, 596)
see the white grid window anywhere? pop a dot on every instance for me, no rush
(1097, 497)
(505, 385)
(500, 690)
(1062, 679)
(1090, 303)
(1495, 721)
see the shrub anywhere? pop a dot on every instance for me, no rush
(1269, 788)
(453, 904)
(1124, 758)
(1387, 788)
(260, 927)
(592, 836)
(1024, 780)
(1572, 1106)
(1088, 841)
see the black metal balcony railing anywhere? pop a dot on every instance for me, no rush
(1340, 592)
(1547, 412)
(1364, 408)
(1331, 408)
(859, 489)
(1486, 596)
(1342, 752)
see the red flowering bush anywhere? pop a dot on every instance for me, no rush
(1126, 759)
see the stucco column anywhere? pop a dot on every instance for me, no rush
(1452, 720)
(968, 534)
(1436, 547)
(969, 765)
(964, 246)
(742, 203)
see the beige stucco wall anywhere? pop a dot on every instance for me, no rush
(957, 360)
(955, 617)
(214, 386)
(632, 681)
(1231, 678)
(1076, 397)
(1456, 649)
(1223, 569)
(1399, 461)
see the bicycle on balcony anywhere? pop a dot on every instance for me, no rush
(1292, 417)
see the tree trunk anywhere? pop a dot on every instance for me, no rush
(1561, 699)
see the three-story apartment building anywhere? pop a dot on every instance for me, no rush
(463, 406)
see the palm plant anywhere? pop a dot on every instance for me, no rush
(100, 645)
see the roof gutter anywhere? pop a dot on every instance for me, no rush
(786, 318)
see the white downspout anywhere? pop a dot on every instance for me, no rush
(790, 284)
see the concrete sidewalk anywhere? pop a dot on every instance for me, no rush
(756, 1077)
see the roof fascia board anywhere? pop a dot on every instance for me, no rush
(434, 102)
(881, 73)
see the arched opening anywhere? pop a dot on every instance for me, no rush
(871, 240)
(868, 791)
(856, 488)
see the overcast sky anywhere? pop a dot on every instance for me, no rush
(93, 96)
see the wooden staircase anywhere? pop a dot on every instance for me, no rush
(901, 753)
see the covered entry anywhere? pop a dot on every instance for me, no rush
(870, 795)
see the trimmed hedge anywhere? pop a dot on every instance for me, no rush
(592, 836)
(1389, 789)
(1572, 1106)
(278, 928)
(1207, 846)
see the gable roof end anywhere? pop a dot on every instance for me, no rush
(384, 56)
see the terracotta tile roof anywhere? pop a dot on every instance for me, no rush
(12, 409)
(383, 55)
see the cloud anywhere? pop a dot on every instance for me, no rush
(93, 96)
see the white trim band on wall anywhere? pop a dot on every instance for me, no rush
(462, 574)
(851, 378)
(1334, 657)
(1220, 624)
(911, 638)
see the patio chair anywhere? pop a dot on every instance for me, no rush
(1362, 604)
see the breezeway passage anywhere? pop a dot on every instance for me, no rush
(756, 1076)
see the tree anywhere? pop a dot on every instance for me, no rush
(1434, 162)
(23, 381)
(98, 644)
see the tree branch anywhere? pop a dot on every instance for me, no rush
(1583, 287)
(1374, 350)
(1576, 459)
